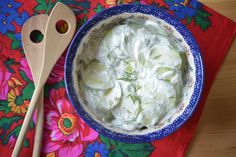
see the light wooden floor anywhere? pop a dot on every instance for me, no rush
(216, 133)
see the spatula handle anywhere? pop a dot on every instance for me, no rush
(39, 127)
(27, 120)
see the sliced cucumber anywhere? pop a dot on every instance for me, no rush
(104, 100)
(165, 73)
(164, 56)
(97, 76)
(127, 111)
(111, 97)
(150, 115)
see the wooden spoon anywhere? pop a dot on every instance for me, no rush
(34, 55)
(55, 44)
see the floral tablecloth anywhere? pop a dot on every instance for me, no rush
(65, 133)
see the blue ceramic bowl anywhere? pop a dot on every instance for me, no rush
(196, 83)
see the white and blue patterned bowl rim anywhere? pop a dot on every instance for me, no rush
(156, 12)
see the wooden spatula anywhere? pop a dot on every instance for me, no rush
(55, 44)
(34, 55)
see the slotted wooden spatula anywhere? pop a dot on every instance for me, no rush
(55, 44)
(34, 54)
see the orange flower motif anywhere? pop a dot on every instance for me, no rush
(185, 2)
(65, 131)
(117, 2)
(67, 123)
(52, 154)
(14, 98)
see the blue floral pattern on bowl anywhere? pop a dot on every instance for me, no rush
(185, 110)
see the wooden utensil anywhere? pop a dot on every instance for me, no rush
(55, 44)
(34, 55)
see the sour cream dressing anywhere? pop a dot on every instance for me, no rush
(132, 76)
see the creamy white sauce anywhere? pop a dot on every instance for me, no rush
(132, 74)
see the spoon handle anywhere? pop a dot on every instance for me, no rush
(39, 126)
(27, 120)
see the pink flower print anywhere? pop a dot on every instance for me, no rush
(25, 67)
(5, 76)
(65, 131)
(12, 142)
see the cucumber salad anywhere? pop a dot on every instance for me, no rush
(131, 74)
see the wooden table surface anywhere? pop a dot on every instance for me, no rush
(216, 133)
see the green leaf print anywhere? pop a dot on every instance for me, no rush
(24, 76)
(58, 85)
(99, 8)
(106, 141)
(27, 92)
(10, 61)
(5, 124)
(31, 125)
(137, 150)
(48, 87)
(85, 18)
(121, 149)
(82, 3)
(15, 133)
(26, 143)
(203, 13)
(8, 64)
(15, 44)
(46, 90)
(44, 6)
(4, 107)
(188, 20)
(202, 19)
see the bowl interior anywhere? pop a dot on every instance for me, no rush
(193, 74)
(100, 30)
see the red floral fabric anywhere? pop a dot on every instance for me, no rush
(65, 133)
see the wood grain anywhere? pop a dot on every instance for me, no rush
(216, 133)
